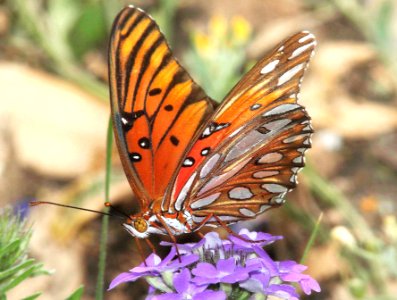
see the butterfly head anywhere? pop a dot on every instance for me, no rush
(137, 227)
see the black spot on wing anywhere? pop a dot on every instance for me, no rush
(168, 107)
(154, 92)
(174, 140)
(144, 143)
(135, 157)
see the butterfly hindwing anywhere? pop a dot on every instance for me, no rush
(246, 157)
(156, 106)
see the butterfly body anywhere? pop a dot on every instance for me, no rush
(188, 163)
(151, 222)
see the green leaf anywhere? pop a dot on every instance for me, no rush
(16, 269)
(158, 284)
(89, 30)
(32, 297)
(21, 277)
(168, 278)
(76, 295)
(240, 295)
(227, 288)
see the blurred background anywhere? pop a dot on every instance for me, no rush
(54, 114)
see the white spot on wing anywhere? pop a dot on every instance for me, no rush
(274, 188)
(263, 208)
(264, 174)
(290, 73)
(281, 109)
(209, 165)
(236, 131)
(240, 193)
(175, 225)
(246, 212)
(197, 219)
(278, 200)
(293, 178)
(300, 50)
(309, 36)
(277, 124)
(295, 138)
(245, 144)
(124, 121)
(229, 218)
(301, 150)
(218, 180)
(298, 160)
(270, 66)
(205, 201)
(270, 158)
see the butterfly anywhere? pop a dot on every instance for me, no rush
(192, 164)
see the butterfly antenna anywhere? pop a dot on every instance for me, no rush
(107, 204)
(36, 203)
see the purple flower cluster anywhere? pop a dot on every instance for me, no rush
(216, 269)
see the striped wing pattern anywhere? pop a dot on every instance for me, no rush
(156, 106)
(246, 157)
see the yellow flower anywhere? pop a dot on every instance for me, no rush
(202, 43)
(218, 26)
(241, 29)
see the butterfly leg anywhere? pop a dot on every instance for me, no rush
(140, 250)
(151, 246)
(170, 234)
(200, 234)
(235, 234)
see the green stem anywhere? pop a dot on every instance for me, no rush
(105, 219)
(312, 238)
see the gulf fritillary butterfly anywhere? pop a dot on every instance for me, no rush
(191, 164)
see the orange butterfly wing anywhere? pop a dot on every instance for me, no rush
(156, 106)
(247, 156)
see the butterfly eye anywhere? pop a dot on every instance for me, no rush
(140, 225)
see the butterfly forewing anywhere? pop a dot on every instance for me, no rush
(246, 157)
(156, 106)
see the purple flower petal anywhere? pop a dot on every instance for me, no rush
(266, 261)
(170, 256)
(186, 260)
(169, 296)
(308, 285)
(235, 277)
(212, 240)
(205, 270)
(291, 266)
(213, 295)
(283, 291)
(261, 239)
(181, 281)
(236, 262)
(253, 284)
(123, 277)
(226, 265)
(185, 248)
